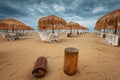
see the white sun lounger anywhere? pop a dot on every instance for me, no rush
(49, 37)
(44, 36)
(12, 36)
(112, 39)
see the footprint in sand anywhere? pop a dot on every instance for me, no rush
(91, 72)
(9, 64)
(8, 45)
(84, 67)
(102, 49)
(87, 72)
(103, 61)
(98, 49)
(48, 56)
(0, 69)
(12, 74)
(118, 52)
(3, 62)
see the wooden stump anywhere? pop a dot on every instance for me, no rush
(40, 68)
(70, 60)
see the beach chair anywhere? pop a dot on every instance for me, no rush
(13, 36)
(9, 37)
(2, 35)
(49, 37)
(45, 36)
(112, 39)
(54, 37)
(19, 35)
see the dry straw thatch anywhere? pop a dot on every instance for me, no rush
(51, 22)
(13, 24)
(109, 21)
(75, 26)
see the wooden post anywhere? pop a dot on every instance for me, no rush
(40, 68)
(77, 32)
(70, 30)
(70, 60)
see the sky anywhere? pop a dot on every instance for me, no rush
(85, 12)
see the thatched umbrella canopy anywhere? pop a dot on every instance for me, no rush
(59, 27)
(2, 25)
(83, 28)
(30, 28)
(12, 24)
(73, 26)
(118, 25)
(114, 19)
(97, 26)
(50, 22)
(109, 21)
(101, 24)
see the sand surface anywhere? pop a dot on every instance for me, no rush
(97, 60)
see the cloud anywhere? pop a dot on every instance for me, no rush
(99, 9)
(7, 10)
(82, 11)
(58, 8)
(36, 9)
(73, 18)
(89, 23)
(74, 4)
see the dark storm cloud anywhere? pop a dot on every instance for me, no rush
(8, 11)
(82, 11)
(89, 8)
(82, 8)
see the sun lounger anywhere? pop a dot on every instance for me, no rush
(2, 35)
(112, 39)
(55, 37)
(12, 37)
(49, 37)
(44, 36)
(9, 37)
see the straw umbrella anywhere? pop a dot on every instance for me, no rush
(109, 21)
(9, 24)
(73, 25)
(114, 19)
(101, 24)
(2, 25)
(83, 28)
(50, 22)
(12, 24)
(78, 28)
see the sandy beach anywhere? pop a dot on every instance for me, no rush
(97, 60)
